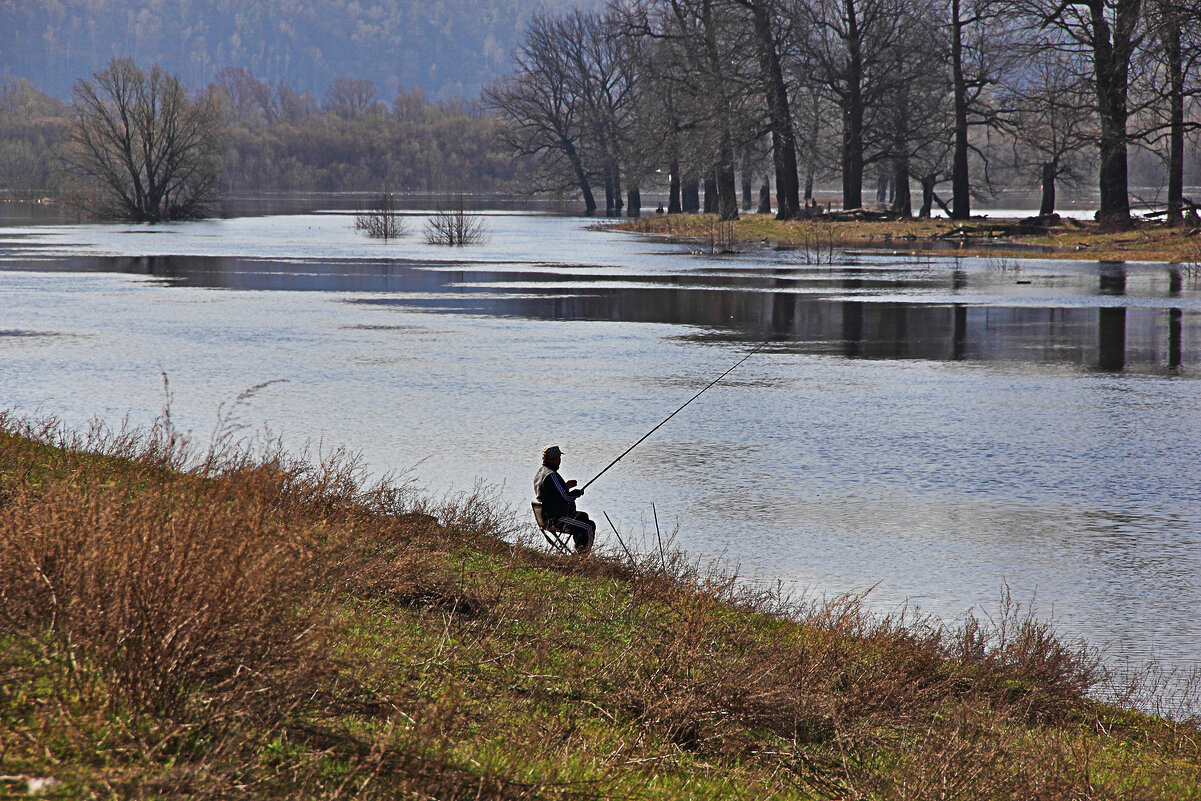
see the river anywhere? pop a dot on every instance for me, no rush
(935, 429)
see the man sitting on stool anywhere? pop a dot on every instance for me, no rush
(558, 501)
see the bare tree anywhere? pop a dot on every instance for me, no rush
(147, 150)
(544, 111)
(771, 31)
(349, 97)
(850, 56)
(291, 106)
(1171, 63)
(455, 226)
(381, 219)
(1051, 119)
(706, 61)
(1106, 33)
(980, 50)
(604, 76)
(249, 98)
(916, 117)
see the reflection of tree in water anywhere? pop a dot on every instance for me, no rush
(835, 314)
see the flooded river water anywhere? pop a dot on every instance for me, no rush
(935, 428)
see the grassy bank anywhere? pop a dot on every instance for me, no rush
(257, 627)
(1068, 239)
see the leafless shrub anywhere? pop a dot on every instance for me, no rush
(817, 242)
(381, 219)
(721, 236)
(193, 585)
(455, 226)
(1173, 694)
(1002, 264)
(1022, 660)
(1190, 265)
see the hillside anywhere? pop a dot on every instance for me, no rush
(447, 48)
(261, 628)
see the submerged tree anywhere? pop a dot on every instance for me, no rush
(144, 150)
(381, 219)
(455, 226)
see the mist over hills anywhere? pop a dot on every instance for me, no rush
(447, 48)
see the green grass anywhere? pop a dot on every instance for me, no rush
(358, 650)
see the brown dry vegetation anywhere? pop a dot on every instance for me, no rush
(265, 628)
(1070, 239)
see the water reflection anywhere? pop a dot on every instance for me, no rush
(855, 312)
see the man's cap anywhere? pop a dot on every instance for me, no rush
(551, 450)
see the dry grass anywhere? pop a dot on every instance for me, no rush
(262, 627)
(1072, 239)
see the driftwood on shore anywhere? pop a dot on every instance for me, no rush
(1028, 226)
(862, 215)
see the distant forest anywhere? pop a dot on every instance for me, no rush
(278, 139)
(675, 98)
(448, 48)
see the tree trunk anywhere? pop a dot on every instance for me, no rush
(852, 116)
(727, 190)
(1176, 114)
(673, 194)
(1049, 171)
(581, 177)
(691, 195)
(764, 198)
(960, 183)
(710, 192)
(634, 202)
(902, 202)
(608, 178)
(928, 182)
(618, 203)
(747, 180)
(810, 167)
(1111, 61)
(783, 138)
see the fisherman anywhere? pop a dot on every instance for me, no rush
(558, 501)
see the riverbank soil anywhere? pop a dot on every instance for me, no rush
(1052, 237)
(182, 625)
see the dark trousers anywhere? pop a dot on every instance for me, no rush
(581, 529)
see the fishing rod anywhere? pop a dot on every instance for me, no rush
(760, 347)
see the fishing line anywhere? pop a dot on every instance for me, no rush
(760, 347)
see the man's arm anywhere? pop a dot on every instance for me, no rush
(562, 489)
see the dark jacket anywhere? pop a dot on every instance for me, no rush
(557, 501)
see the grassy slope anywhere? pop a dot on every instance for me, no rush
(1072, 239)
(260, 628)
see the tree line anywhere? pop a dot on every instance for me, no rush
(352, 140)
(138, 144)
(967, 92)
